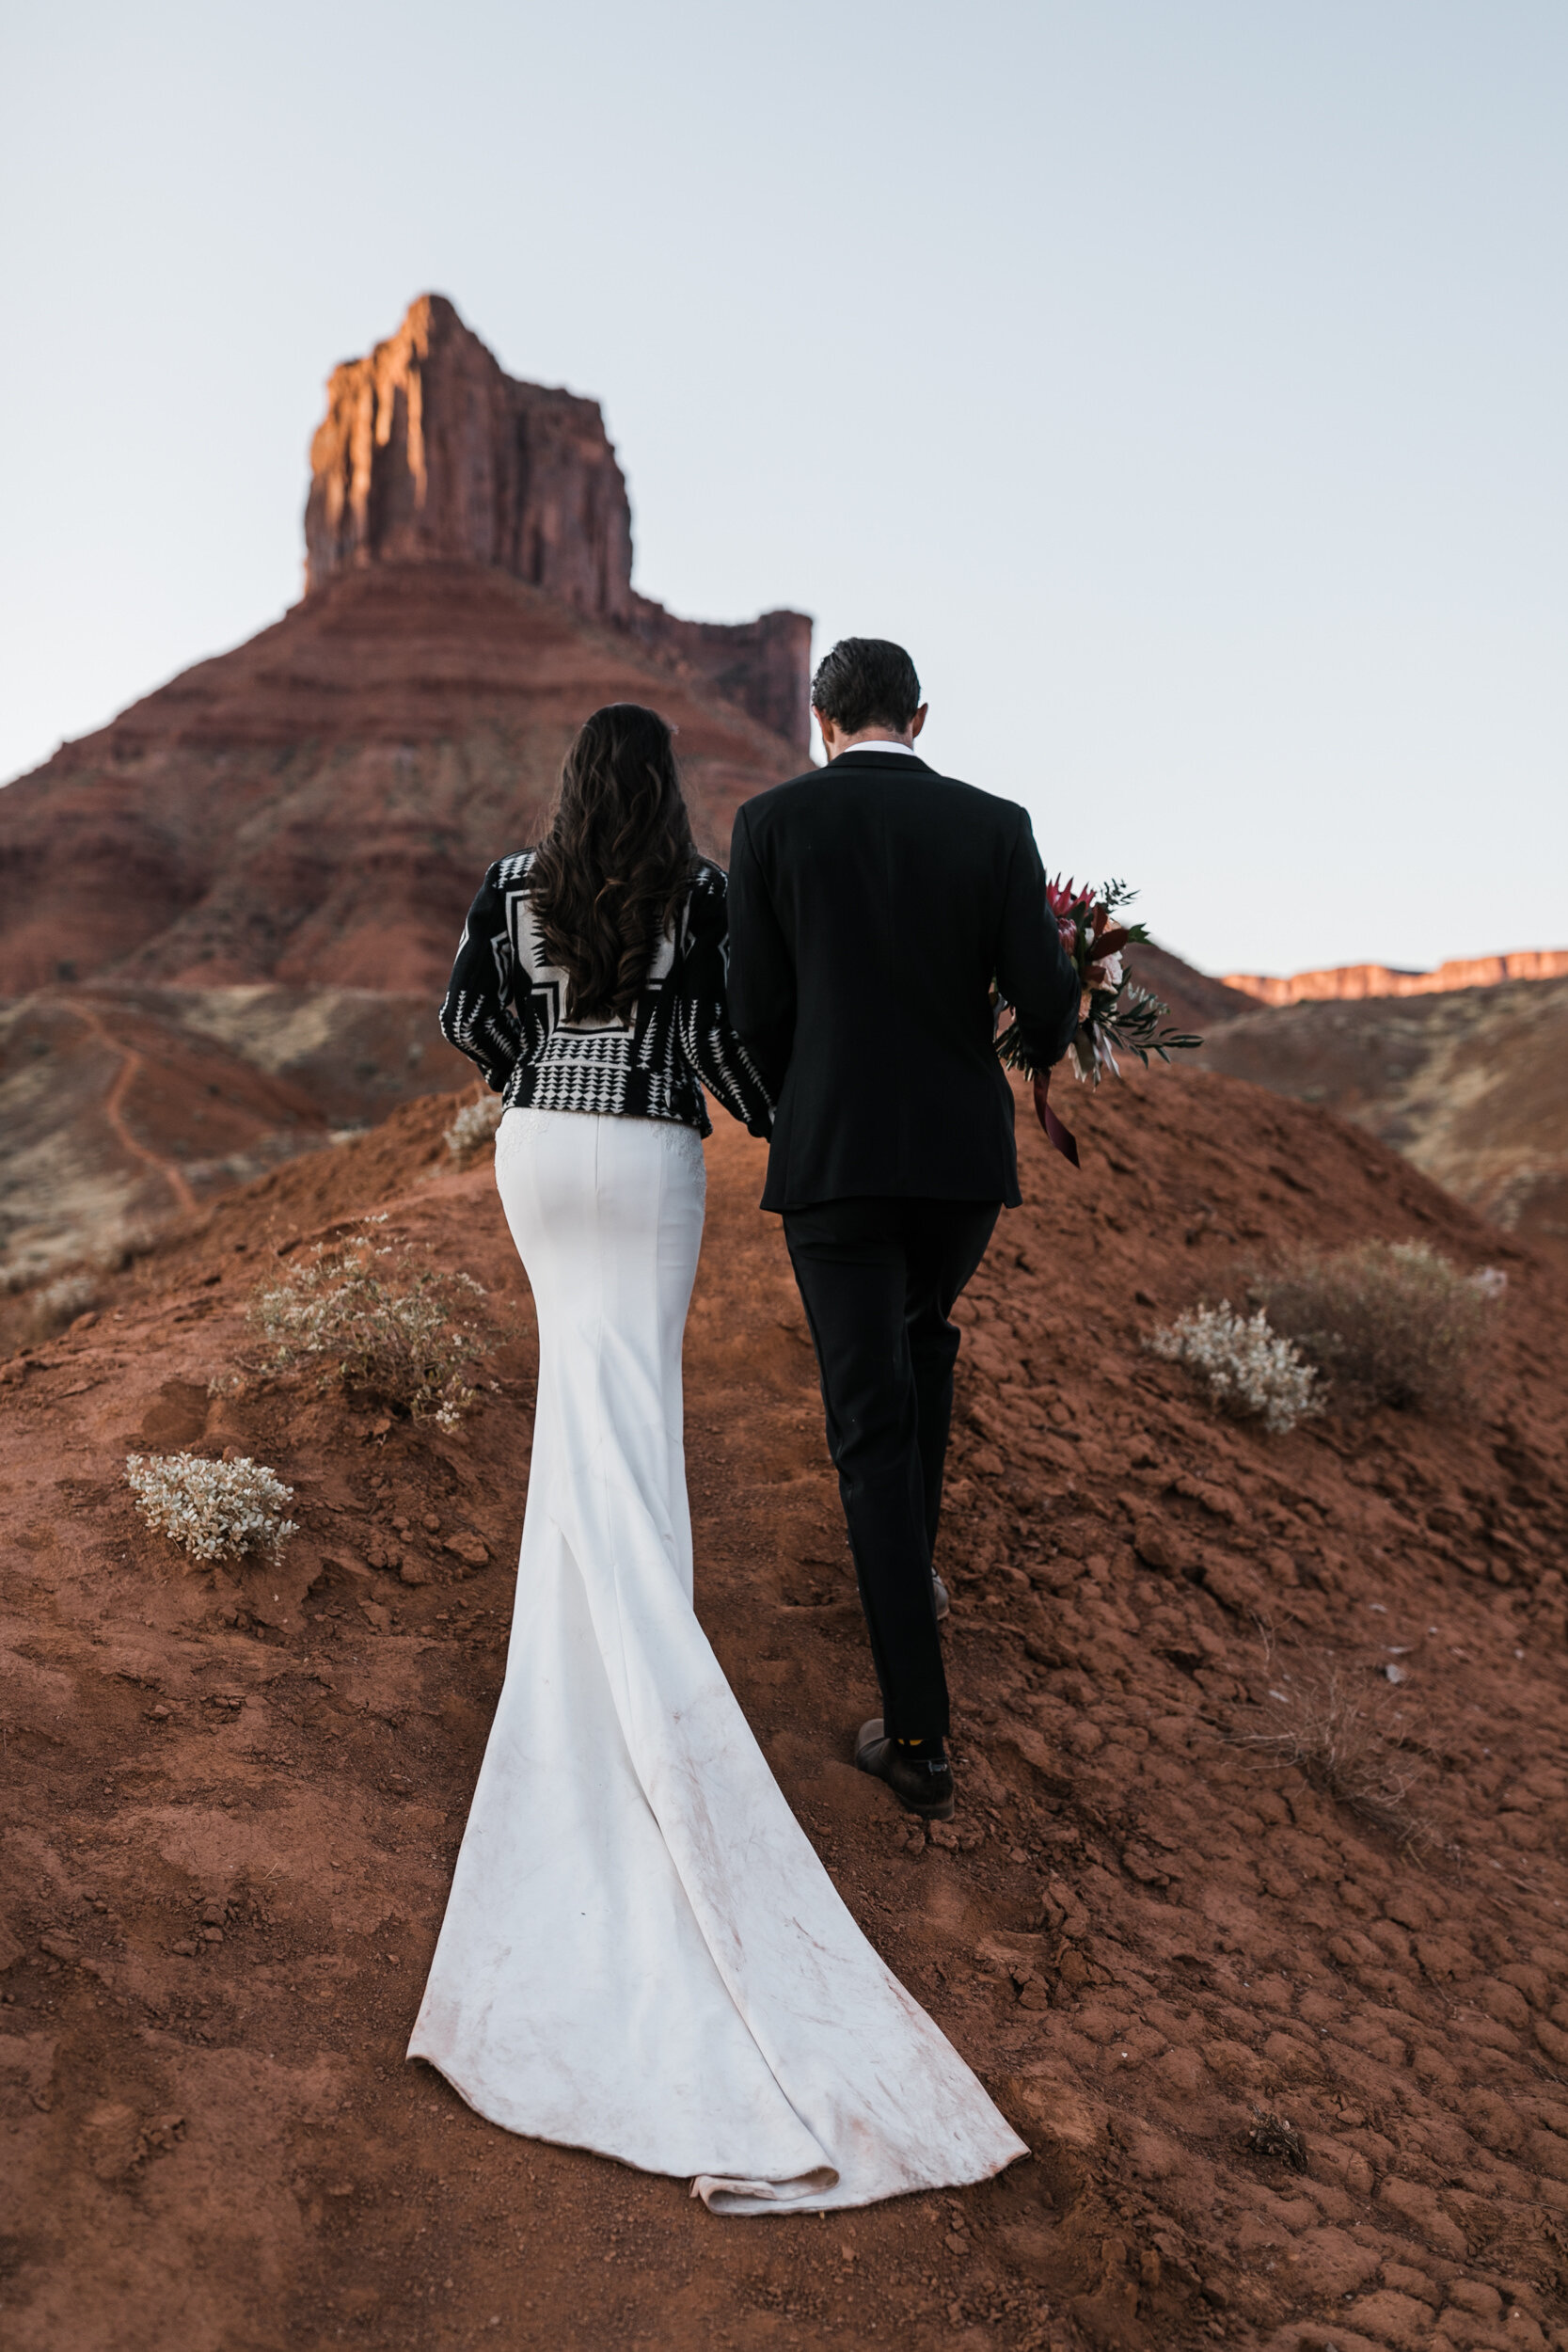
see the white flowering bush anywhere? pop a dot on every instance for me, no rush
(1249, 1369)
(212, 1510)
(475, 1123)
(376, 1319)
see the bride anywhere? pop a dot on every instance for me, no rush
(642, 1953)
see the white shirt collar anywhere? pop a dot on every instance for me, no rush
(906, 751)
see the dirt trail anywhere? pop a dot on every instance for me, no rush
(233, 1804)
(131, 1065)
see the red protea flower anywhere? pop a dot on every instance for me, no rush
(1067, 904)
(1065, 897)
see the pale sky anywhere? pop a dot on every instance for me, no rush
(1182, 381)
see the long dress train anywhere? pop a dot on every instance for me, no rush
(642, 1953)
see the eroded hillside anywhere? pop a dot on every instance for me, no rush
(121, 1106)
(1470, 1084)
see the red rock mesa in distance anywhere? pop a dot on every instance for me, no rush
(312, 811)
(317, 805)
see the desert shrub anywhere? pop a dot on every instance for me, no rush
(475, 1123)
(1346, 1734)
(1388, 1323)
(57, 1304)
(378, 1320)
(212, 1510)
(1249, 1370)
(1271, 2135)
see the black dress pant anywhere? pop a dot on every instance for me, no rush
(878, 1279)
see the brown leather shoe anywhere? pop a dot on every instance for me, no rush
(919, 1782)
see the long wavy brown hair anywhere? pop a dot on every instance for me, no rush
(609, 877)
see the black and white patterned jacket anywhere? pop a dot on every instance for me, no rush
(505, 1009)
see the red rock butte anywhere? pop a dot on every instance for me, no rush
(318, 805)
(430, 454)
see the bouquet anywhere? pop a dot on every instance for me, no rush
(1114, 1016)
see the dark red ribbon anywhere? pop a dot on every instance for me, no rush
(1056, 1134)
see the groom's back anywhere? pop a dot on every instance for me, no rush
(872, 904)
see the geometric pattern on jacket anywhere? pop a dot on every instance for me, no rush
(506, 1009)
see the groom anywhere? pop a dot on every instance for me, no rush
(873, 902)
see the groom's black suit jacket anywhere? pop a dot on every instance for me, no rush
(872, 903)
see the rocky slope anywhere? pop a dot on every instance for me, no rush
(235, 1802)
(319, 804)
(1471, 1085)
(1197, 1002)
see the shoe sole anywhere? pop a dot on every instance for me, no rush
(928, 1812)
(921, 1812)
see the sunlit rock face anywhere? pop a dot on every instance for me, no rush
(430, 453)
(1350, 982)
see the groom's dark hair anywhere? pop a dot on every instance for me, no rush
(866, 682)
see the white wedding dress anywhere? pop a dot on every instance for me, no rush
(642, 1953)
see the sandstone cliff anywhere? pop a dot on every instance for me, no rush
(430, 453)
(1348, 982)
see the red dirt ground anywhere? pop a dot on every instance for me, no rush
(1138, 1931)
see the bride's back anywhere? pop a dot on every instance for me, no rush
(593, 971)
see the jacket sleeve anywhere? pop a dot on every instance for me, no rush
(707, 1036)
(476, 1016)
(762, 971)
(1033, 971)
